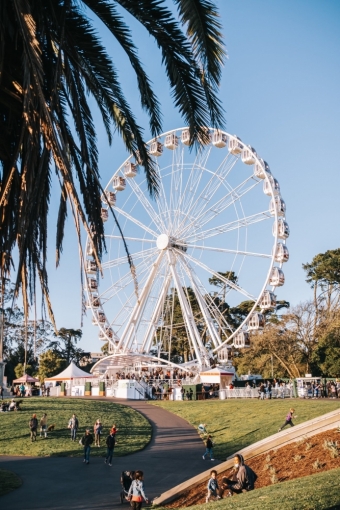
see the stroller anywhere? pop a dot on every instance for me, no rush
(126, 480)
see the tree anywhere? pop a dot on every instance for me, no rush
(65, 345)
(20, 370)
(52, 59)
(324, 273)
(50, 364)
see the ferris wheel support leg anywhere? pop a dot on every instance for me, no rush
(155, 317)
(186, 310)
(137, 312)
(207, 317)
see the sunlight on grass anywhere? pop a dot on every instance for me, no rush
(235, 424)
(8, 481)
(134, 429)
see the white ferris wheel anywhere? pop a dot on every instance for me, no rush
(219, 210)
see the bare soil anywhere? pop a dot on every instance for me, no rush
(295, 460)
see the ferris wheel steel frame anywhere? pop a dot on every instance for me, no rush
(173, 257)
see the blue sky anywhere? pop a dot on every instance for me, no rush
(280, 90)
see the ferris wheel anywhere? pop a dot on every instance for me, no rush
(215, 234)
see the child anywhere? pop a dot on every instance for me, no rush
(289, 418)
(212, 486)
(113, 430)
(209, 448)
(136, 492)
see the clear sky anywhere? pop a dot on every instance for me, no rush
(280, 90)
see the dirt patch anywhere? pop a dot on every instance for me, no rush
(295, 460)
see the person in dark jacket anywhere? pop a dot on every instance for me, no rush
(86, 441)
(33, 425)
(209, 448)
(243, 478)
(110, 443)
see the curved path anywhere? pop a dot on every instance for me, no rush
(173, 456)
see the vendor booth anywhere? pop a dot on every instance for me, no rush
(223, 377)
(73, 381)
(27, 381)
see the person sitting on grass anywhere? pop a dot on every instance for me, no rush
(209, 448)
(243, 478)
(212, 486)
(289, 418)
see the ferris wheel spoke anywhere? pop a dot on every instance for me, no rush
(161, 201)
(135, 221)
(226, 250)
(229, 283)
(213, 310)
(216, 180)
(232, 225)
(146, 204)
(121, 260)
(202, 302)
(205, 215)
(140, 239)
(192, 183)
(126, 279)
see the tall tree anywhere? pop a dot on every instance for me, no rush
(51, 60)
(65, 345)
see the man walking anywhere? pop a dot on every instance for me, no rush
(86, 441)
(73, 424)
(110, 443)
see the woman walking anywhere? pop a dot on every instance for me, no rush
(136, 492)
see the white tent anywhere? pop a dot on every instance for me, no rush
(218, 375)
(70, 373)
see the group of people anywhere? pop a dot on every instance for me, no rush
(13, 405)
(242, 479)
(88, 438)
(33, 426)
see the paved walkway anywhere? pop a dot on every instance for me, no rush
(173, 456)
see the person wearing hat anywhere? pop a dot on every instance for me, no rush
(86, 441)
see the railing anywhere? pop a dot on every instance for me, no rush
(254, 393)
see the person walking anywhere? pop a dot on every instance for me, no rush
(43, 425)
(110, 443)
(261, 392)
(97, 429)
(209, 448)
(136, 492)
(289, 418)
(33, 425)
(73, 425)
(86, 441)
(1, 392)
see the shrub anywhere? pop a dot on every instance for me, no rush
(317, 464)
(296, 458)
(308, 446)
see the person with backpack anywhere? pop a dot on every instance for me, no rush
(289, 418)
(33, 425)
(136, 493)
(86, 441)
(110, 443)
(243, 478)
(209, 448)
(73, 425)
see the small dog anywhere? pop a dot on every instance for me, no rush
(50, 428)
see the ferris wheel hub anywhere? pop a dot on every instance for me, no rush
(162, 242)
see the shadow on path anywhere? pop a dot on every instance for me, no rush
(173, 455)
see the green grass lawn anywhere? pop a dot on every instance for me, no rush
(235, 424)
(134, 429)
(317, 492)
(8, 481)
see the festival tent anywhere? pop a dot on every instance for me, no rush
(25, 379)
(218, 375)
(70, 373)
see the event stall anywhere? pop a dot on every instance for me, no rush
(74, 380)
